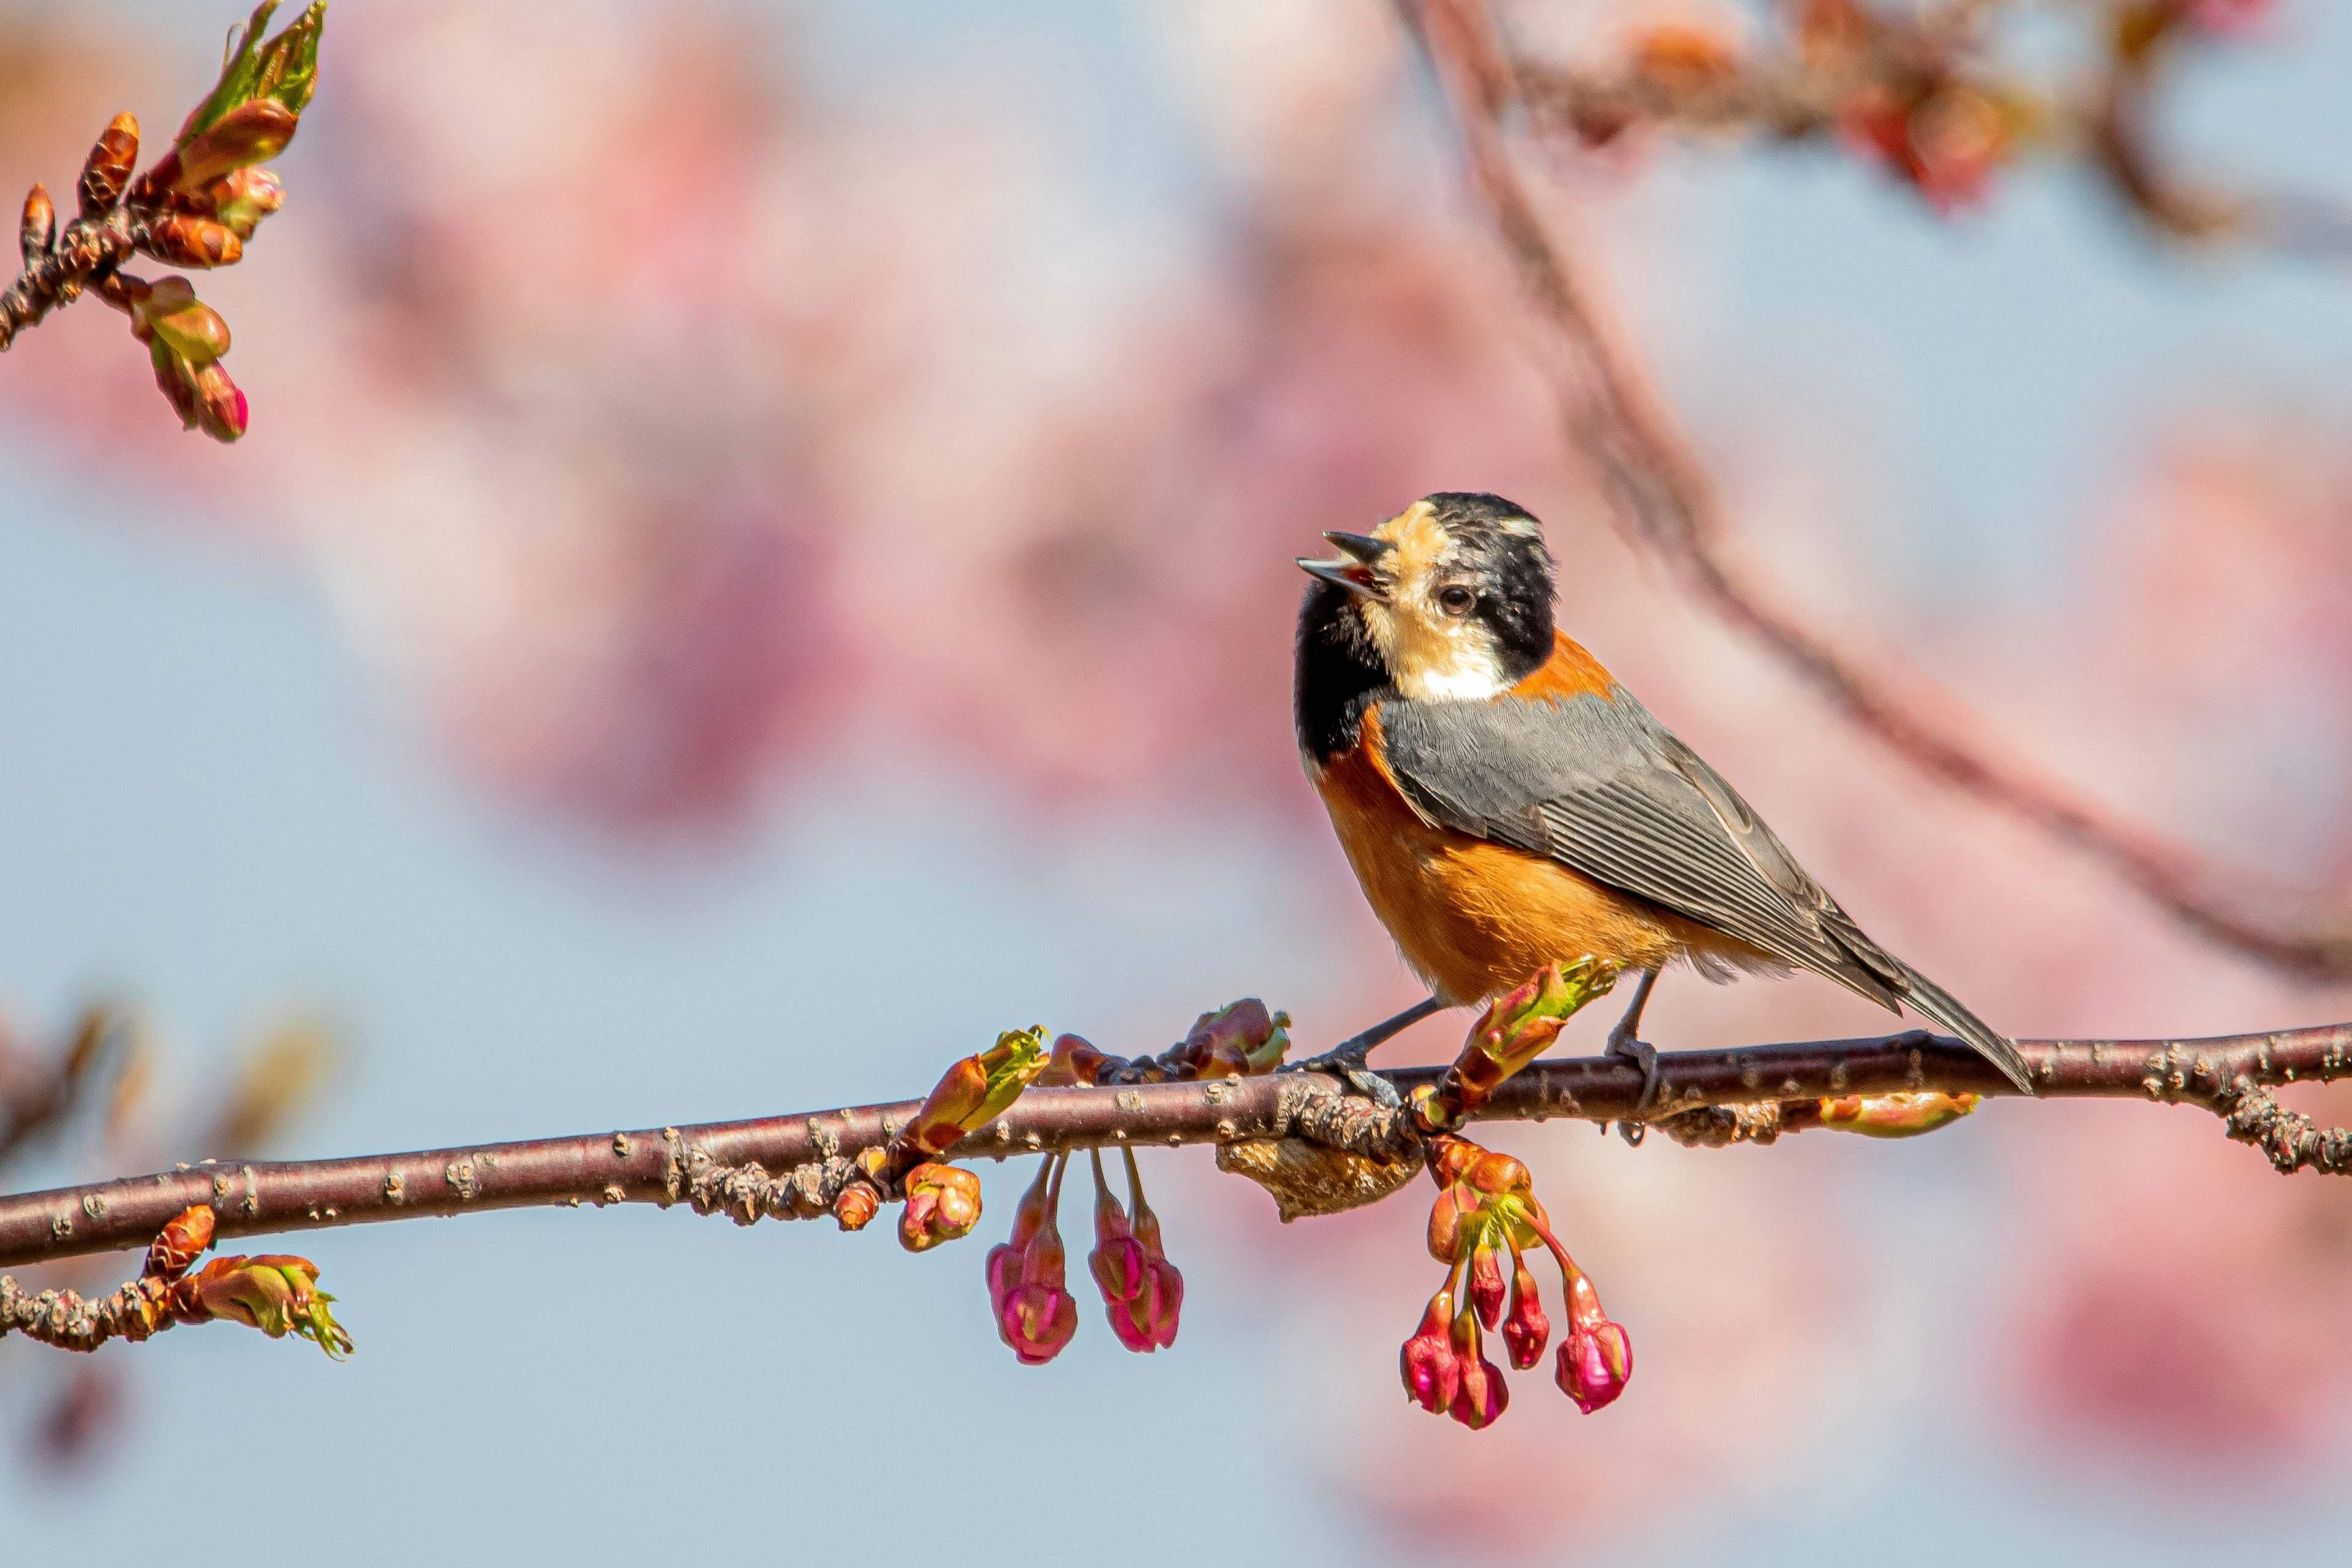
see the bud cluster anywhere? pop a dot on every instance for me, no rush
(196, 208)
(1486, 1212)
(1242, 1039)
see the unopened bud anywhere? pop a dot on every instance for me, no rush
(1432, 1374)
(1480, 1397)
(108, 170)
(856, 1206)
(1486, 1285)
(942, 1204)
(1895, 1115)
(181, 239)
(241, 201)
(38, 230)
(180, 1243)
(1594, 1364)
(1527, 1330)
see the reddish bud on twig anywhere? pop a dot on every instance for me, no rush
(1142, 1291)
(183, 240)
(856, 1206)
(241, 201)
(38, 230)
(1527, 1330)
(1597, 1358)
(1074, 1063)
(1481, 1398)
(942, 1204)
(1035, 1315)
(1432, 1374)
(109, 167)
(1241, 1040)
(1895, 1115)
(1486, 1285)
(180, 1243)
(1511, 1033)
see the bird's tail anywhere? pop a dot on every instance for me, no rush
(1933, 1002)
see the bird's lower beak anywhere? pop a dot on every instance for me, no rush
(1360, 553)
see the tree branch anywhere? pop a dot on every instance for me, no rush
(723, 1167)
(1663, 504)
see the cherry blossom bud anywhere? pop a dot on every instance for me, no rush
(942, 1204)
(1527, 1330)
(181, 239)
(181, 1243)
(202, 394)
(38, 230)
(1241, 1040)
(241, 201)
(1153, 1313)
(169, 311)
(856, 1206)
(1486, 1285)
(1035, 1315)
(1594, 1364)
(1076, 1063)
(108, 170)
(1480, 1397)
(1432, 1374)
(1118, 1262)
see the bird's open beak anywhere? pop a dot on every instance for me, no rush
(1359, 552)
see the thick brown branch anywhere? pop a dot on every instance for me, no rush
(723, 1167)
(1662, 502)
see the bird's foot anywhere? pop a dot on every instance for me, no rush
(1349, 1063)
(1642, 1055)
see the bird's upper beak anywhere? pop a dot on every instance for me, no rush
(1359, 552)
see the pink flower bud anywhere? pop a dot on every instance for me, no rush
(1480, 1397)
(1594, 1364)
(1486, 1286)
(1527, 1330)
(1035, 1315)
(1145, 1316)
(942, 1204)
(1432, 1374)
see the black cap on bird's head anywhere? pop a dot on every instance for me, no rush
(1451, 598)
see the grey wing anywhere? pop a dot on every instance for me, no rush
(1600, 785)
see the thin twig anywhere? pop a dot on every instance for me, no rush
(723, 1167)
(1662, 502)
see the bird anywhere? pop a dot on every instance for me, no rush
(1506, 803)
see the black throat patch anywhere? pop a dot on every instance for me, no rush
(1336, 677)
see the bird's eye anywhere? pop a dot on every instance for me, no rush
(1456, 601)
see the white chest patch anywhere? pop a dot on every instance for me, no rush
(1461, 684)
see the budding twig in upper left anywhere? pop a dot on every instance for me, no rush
(196, 207)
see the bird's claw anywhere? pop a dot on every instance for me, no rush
(1349, 1064)
(1643, 1055)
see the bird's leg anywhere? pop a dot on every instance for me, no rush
(1346, 1060)
(1625, 1040)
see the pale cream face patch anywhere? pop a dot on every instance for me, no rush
(1431, 656)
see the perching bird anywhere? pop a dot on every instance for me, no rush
(1506, 803)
